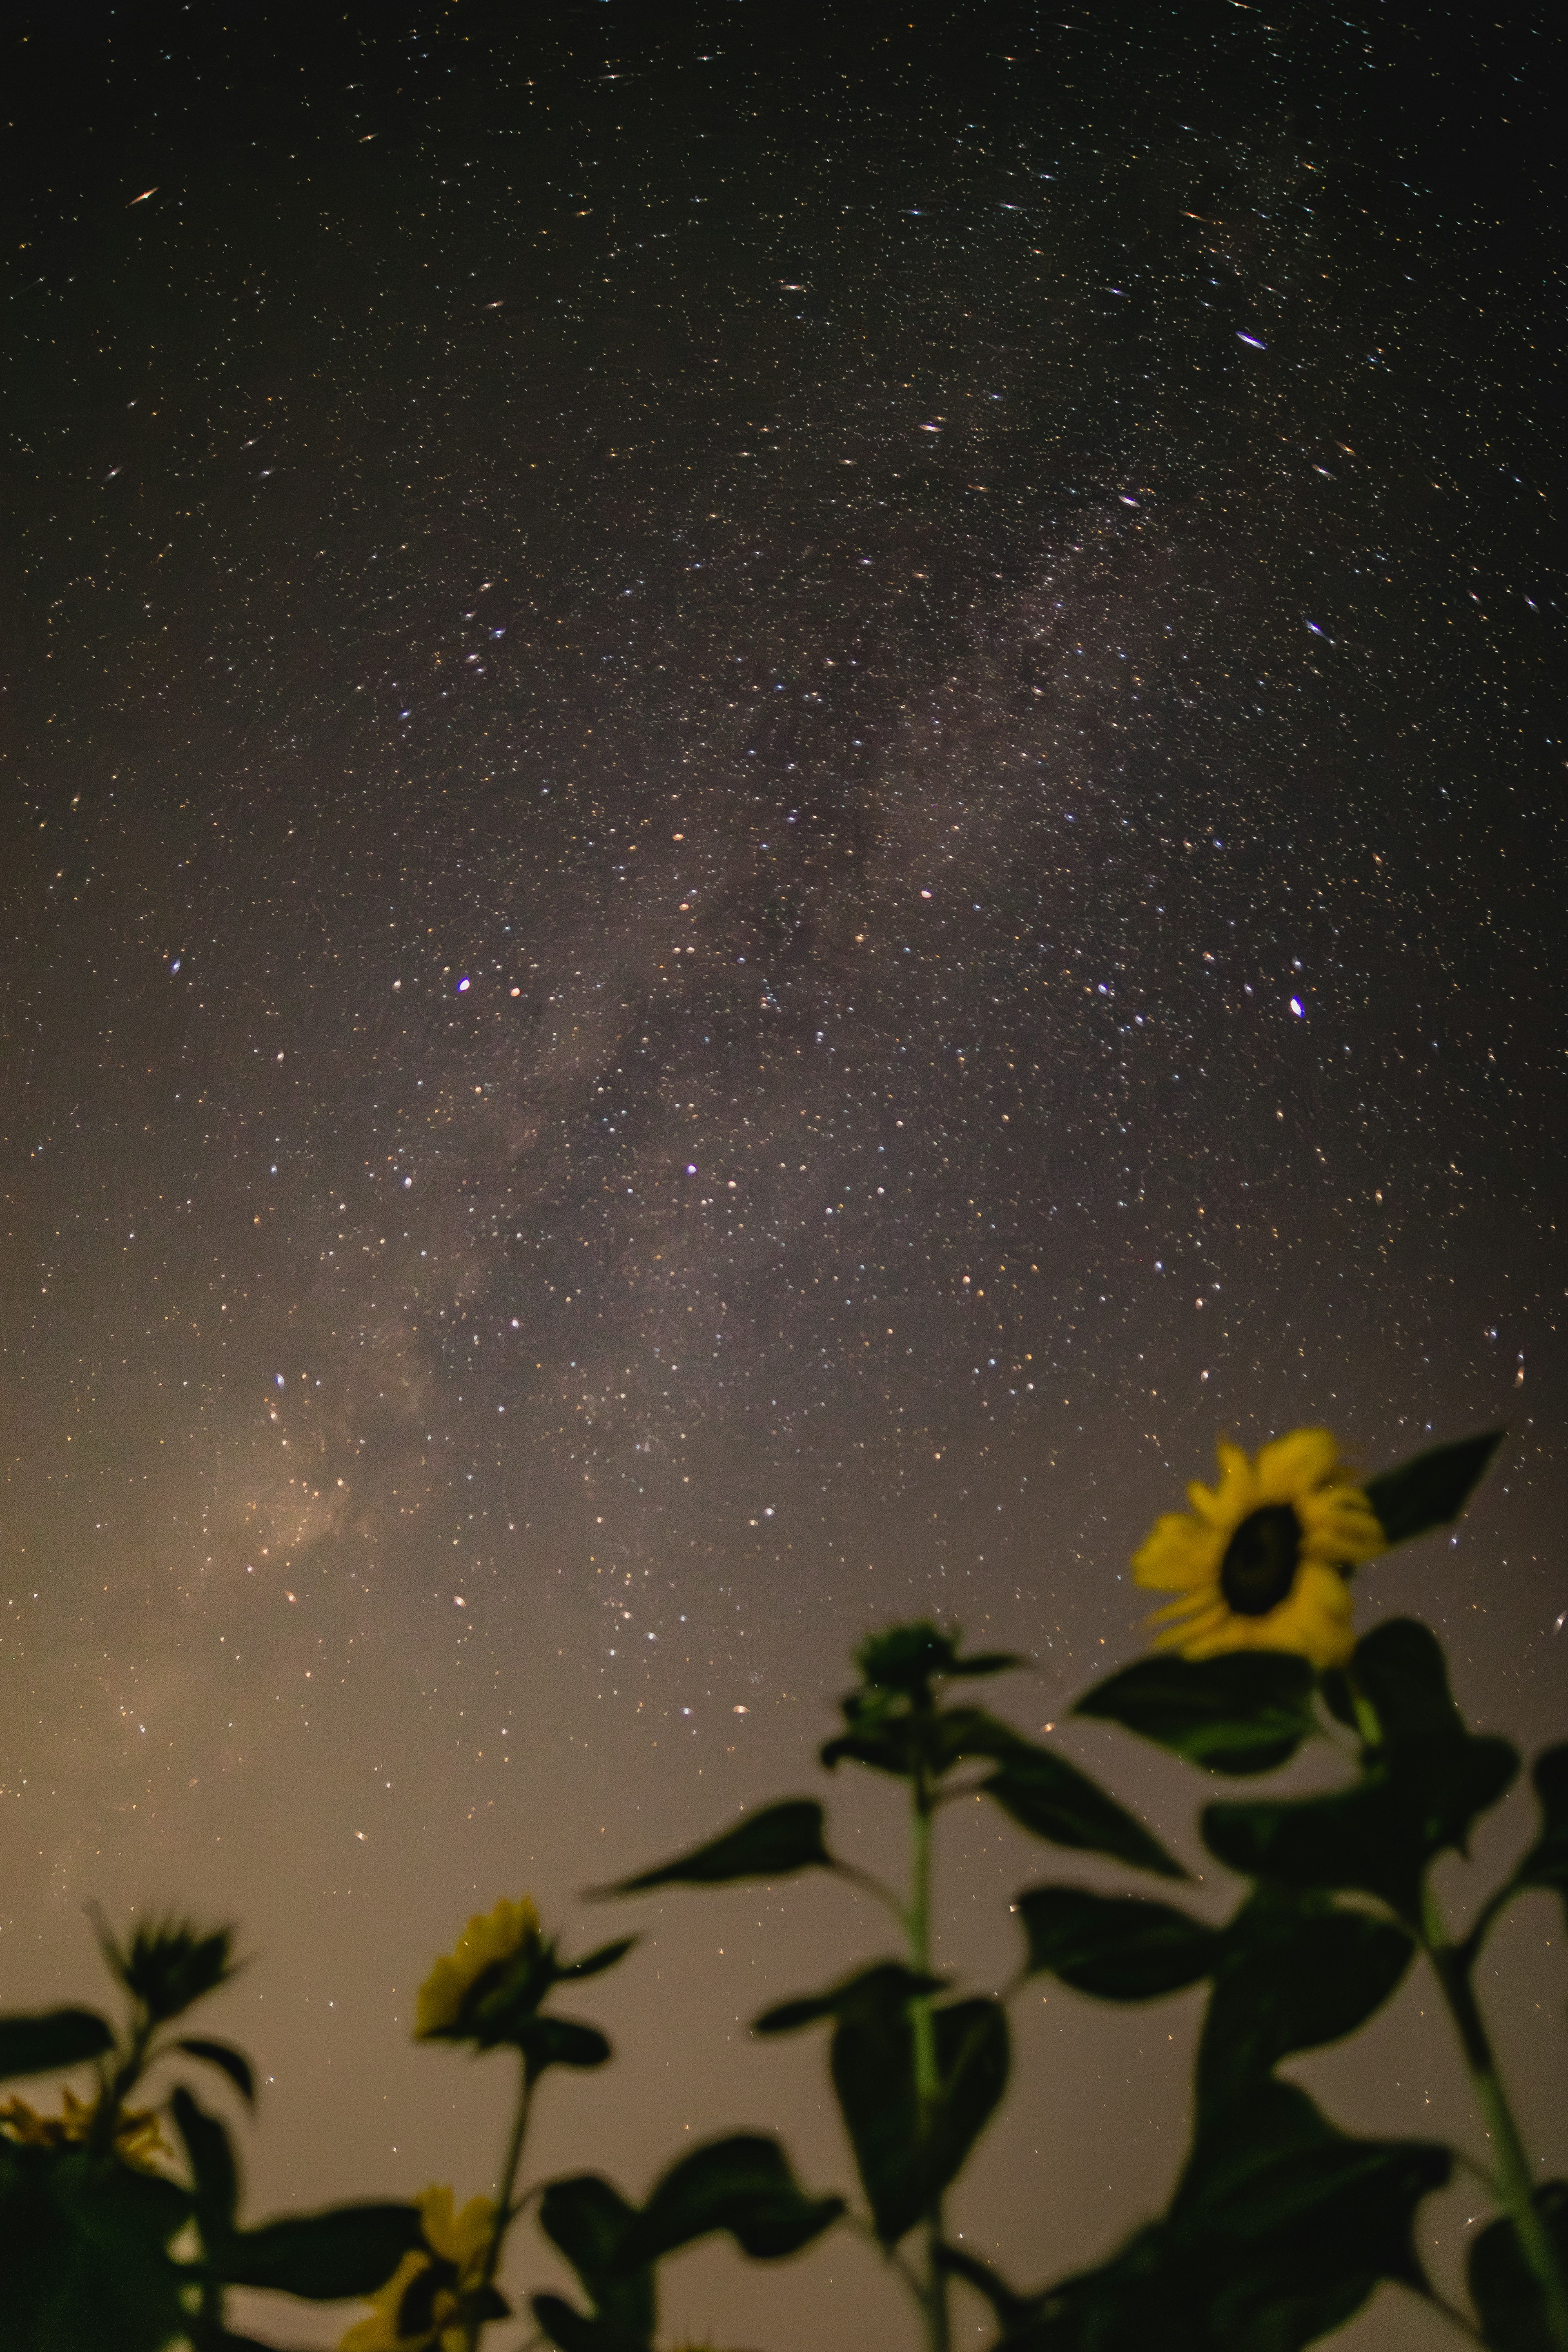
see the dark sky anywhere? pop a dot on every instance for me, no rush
(778, 789)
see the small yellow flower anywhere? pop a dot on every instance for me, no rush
(487, 1946)
(1261, 1561)
(137, 2139)
(420, 2308)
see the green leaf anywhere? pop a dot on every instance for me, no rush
(84, 2254)
(547, 2042)
(1117, 1946)
(1378, 1836)
(869, 1991)
(594, 1964)
(743, 2184)
(213, 2169)
(1546, 1863)
(348, 2250)
(227, 2060)
(589, 2221)
(1433, 1489)
(1401, 1668)
(1247, 1712)
(573, 2333)
(1293, 1974)
(1051, 1798)
(904, 2157)
(770, 1844)
(52, 2042)
(1503, 2287)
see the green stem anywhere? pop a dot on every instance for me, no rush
(933, 2291)
(118, 2089)
(505, 2214)
(1515, 2183)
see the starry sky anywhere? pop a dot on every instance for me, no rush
(779, 788)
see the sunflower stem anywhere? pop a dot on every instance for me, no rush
(1515, 2182)
(933, 2290)
(505, 2214)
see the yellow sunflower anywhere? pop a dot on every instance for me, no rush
(137, 2138)
(1262, 1559)
(511, 1931)
(420, 2308)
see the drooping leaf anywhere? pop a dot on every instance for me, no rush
(348, 2250)
(1052, 1798)
(589, 2220)
(213, 2169)
(1546, 1863)
(227, 2060)
(906, 2154)
(871, 1991)
(974, 2059)
(51, 2043)
(547, 2042)
(1293, 1973)
(1400, 1667)
(742, 2184)
(1377, 1836)
(1247, 1712)
(768, 1844)
(1433, 1489)
(1117, 1946)
(1504, 2289)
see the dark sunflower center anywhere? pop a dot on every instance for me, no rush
(1261, 1559)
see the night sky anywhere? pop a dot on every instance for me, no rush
(779, 788)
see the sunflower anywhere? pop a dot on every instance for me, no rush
(137, 2138)
(1262, 1559)
(486, 1951)
(420, 2308)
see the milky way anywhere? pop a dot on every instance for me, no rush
(778, 796)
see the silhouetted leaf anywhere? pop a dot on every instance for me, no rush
(84, 2254)
(547, 2042)
(589, 2220)
(908, 1658)
(1433, 1489)
(1400, 1667)
(1546, 1863)
(1505, 2290)
(743, 2184)
(594, 1964)
(1247, 1712)
(769, 1844)
(869, 1991)
(213, 2169)
(1379, 1835)
(348, 2250)
(574, 2333)
(1292, 1974)
(906, 2157)
(1051, 1798)
(227, 2060)
(1117, 1946)
(51, 2043)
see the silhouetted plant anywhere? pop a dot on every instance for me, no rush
(1281, 2225)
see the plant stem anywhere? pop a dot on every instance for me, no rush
(505, 2212)
(1515, 2183)
(933, 2293)
(118, 2089)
